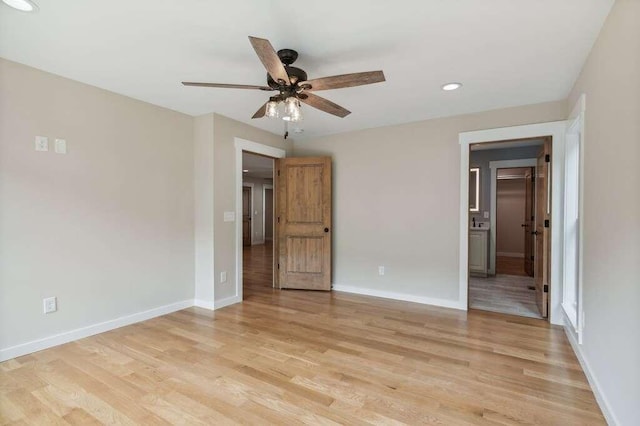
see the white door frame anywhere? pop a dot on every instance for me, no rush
(555, 129)
(256, 148)
(494, 166)
(266, 186)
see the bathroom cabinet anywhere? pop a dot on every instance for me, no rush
(478, 252)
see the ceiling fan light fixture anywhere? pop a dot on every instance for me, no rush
(451, 86)
(292, 110)
(271, 110)
(21, 5)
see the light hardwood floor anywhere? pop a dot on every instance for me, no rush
(292, 357)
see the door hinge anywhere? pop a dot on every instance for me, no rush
(547, 158)
(278, 219)
(546, 288)
(278, 266)
(278, 172)
(546, 223)
(532, 258)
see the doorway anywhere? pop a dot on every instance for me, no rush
(257, 247)
(515, 190)
(504, 242)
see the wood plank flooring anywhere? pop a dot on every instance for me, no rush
(510, 266)
(507, 294)
(295, 357)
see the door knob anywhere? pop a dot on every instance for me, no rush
(534, 233)
(326, 229)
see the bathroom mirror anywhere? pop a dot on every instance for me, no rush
(474, 189)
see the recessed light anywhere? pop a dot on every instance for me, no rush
(451, 86)
(245, 171)
(21, 5)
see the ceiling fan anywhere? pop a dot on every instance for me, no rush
(292, 84)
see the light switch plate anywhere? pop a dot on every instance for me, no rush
(223, 276)
(60, 146)
(229, 216)
(50, 304)
(42, 143)
(486, 215)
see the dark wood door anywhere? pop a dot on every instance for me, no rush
(542, 229)
(303, 203)
(268, 214)
(246, 216)
(529, 220)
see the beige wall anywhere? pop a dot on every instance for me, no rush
(225, 130)
(108, 227)
(611, 240)
(510, 203)
(203, 208)
(397, 202)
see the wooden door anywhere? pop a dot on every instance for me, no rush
(542, 257)
(246, 216)
(529, 221)
(303, 223)
(268, 214)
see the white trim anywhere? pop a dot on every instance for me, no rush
(90, 330)
(602, 400)
(256, 148)
(445, 303)
(576, 124)
(554, 129)
(494, 166)
(510, 254)
(252, 186)
(227, 301)
(205, 304)
(266, 186)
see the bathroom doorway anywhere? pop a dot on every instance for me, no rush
(509, 246)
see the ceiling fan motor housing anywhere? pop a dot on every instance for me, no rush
(288, 57)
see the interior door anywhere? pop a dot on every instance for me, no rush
(542, 225)
(529, 221)
(246, 216)
(268, 214)
(303, 223)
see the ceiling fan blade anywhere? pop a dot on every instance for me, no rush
(260, 113)
(227, 86)
(270, 59)
(344, 80)
(323, 104)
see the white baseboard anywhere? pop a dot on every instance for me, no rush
(226, 302)
(445, 303)
(602, 400)
(90, 330)
(204, 304)
(509, 254)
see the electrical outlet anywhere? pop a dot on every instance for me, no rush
(380, 270)
(223, 276)
(42, 143)
(50, 305)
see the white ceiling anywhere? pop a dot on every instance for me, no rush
(506, 52)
